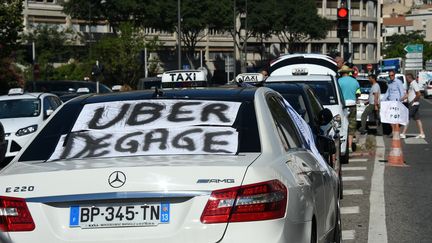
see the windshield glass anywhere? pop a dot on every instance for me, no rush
(298, 103)
(144, 127)
(19, 108)
(365, 85)
(325, 90)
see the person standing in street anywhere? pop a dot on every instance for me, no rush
(413, 96)
(373, 105)
(395, 91)
(349, 87)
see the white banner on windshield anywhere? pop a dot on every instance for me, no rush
(147, 114)
(166, 141)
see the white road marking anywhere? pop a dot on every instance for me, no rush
(354, 168)
(357, 160)
(414, 140)
(352, 192)
(350, 210)
(377, 220)
(353, 178)
(348, 234)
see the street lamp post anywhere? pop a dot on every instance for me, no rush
(179, 33)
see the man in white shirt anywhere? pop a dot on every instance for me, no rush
(413, 96)
(373, 104)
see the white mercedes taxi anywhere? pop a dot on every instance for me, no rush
(190, 165)
(22, 114)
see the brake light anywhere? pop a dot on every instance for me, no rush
(261, 201)
(15, 215)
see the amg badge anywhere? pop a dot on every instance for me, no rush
(215, 181)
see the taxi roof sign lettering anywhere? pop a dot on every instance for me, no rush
(250, 77)
(183, 76)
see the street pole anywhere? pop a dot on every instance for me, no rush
(34, 58)
(179, 33)
(234, 39)
(350, 47)
(145, 63)
(246, 40)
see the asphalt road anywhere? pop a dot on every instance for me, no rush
(408, 191)
(390, 204)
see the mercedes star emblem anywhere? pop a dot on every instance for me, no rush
(117, 179)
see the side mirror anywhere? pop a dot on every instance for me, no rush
(48, 113)
(327, 147)
(325, 117)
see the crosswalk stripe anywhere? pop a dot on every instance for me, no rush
(350, 210)
(348, 234)
(358, 160)
(353, 178)
(352, 192)
(353, 168)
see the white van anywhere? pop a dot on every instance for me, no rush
(319, 72)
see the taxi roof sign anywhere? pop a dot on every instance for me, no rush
(183, 76)
(250, 77)
(16, 91)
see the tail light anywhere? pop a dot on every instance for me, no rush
(15, 215)
(261, 201)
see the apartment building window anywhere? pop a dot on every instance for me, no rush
(356, 29)
(43, 1)
(316, 48)
(319, 6)
(83, 28)
(355, 8)
(300, 48)
(364, 30)
(332, 47)
(356, 51)
(331, 7)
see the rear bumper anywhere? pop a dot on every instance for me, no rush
(269, 231)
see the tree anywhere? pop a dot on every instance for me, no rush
(10, 27)
(50, 42)
(395, 44)
(119, 56)
(298, 22)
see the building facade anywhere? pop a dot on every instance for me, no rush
(216, 46)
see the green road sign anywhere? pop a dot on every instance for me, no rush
(414, 48)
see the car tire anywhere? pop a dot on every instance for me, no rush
(344, 159)
(337, 236)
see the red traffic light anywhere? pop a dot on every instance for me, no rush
(342, 13)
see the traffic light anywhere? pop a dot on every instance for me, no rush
(342, 22)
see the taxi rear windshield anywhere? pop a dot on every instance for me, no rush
(147, 127)
(325, 90)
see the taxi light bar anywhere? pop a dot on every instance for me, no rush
(261, 201)
(15, 215)
(16, 91)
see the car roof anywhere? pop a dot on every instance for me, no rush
(31, 95)
(227, 94)
(293, 78)
(287, 87)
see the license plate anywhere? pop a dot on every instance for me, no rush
(119, 215)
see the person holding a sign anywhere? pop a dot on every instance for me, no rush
(413, 96)
(395, 90)
(349, 87)
(373, 104)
